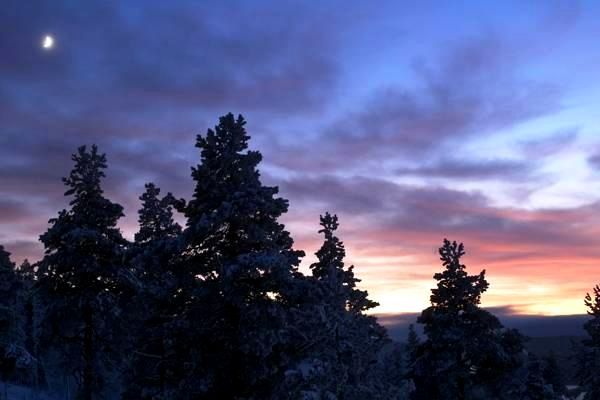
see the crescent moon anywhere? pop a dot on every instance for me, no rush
(48, 42)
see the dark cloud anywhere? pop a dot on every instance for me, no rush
(124, 56)
(141, 81)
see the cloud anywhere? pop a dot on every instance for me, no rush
(141, 82)
(594, 161)
(473, 91)
(24, 249)
(551, 144)
(113, 81)
(108, 60)
(471, 169)
(12, 211)
(384, 214)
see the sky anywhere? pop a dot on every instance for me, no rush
(413, 121)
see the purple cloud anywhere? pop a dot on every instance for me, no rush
(552, 144)
(471, 169)
(472, 91)
(384, 215)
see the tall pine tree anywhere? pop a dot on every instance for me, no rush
(78, 277)
(553, 375)
(154, 365)
(536, 387)
(589, 353)
(156, 216)
(412, 347)
(341, 348)
(242, 260)
(10, 343)
(26, 275)
(29, 309)
(331, 271)
(467, 352)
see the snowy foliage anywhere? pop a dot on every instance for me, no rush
(466, 345)
(153, 300)
(78, 278)
(588, 355)
(340, 351)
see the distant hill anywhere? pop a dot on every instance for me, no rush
(530, 325)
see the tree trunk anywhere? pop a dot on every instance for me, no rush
(163, 361)
(88, 353)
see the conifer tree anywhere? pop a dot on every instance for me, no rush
(156, 216)
(589, 354)
(28, 308)
(412, 346)
(26, 274)
(536, 386)
(330, 270)
(553, 375)
(156, 301)
(592, 327)
(9, 338)
(242, 260)
(78, 277)
(343, 345)
(467, 351)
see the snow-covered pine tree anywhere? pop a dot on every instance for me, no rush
(331, 271)
(467, 353)
(155, 218)
(553, 375)
(158, 296)
(242, 259)
(10, 343)
(536, 387)
(26, 274)
(357, 338)
(78, 278)
(28, 308)
(412, 346)
(342, 354)
(588, 355)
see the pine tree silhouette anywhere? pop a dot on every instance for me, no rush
(154, 365)
(330, 270)
(588, 356)
(243, 261)
(10, 343)
(78, 278)
(467, 352)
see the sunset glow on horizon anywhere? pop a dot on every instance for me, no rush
(475, 122)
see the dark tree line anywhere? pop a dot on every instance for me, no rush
(217, 309)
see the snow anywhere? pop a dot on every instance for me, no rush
(16, 392)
